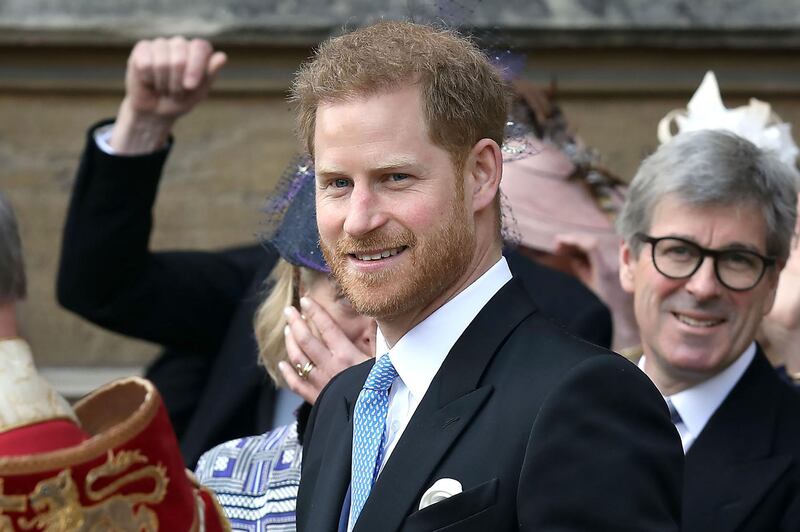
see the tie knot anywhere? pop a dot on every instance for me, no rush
(382, 375)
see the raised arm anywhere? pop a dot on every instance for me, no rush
(107, 272)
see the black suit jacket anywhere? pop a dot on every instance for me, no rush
(743, 470)
(544, 432)
(563, 299)
(200, 305)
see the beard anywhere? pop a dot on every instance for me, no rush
(437, 260)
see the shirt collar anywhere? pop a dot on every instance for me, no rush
(697, 404)
(419, 354)
(25, 396)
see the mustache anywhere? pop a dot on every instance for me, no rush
(683, 302)
(348, 245)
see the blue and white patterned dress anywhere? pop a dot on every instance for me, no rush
(256, 479)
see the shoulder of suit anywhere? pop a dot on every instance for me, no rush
(542, 280)
(539, 328)
(544, 345)
(789, 412)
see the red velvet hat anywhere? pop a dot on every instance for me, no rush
(128, 474)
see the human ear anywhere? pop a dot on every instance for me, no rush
(485, 168)
(627, 267)
(772, 277)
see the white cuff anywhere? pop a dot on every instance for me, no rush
(102, 137)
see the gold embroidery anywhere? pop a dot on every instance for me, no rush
(57, 502)
(10, 503)
(5, 524)
(115, 465)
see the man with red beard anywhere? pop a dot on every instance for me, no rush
(708, 226)
(477, 414)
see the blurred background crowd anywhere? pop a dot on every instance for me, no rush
(205, 273)
(619, 66)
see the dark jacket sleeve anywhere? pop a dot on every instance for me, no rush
(602, 455)
(108, 274)
(563, 299)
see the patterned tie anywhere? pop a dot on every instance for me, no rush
(368, 431)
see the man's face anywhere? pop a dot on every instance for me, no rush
(392, 219)
(693, 328)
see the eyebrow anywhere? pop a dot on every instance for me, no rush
(730, 245)
(395, 163)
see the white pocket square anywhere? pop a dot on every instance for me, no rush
(441, 490)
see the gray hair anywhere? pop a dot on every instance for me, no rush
(12, 265)
(714, 168)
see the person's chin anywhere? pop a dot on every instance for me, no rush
(377, 300)
(696, 355)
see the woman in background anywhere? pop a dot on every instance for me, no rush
(256, 478)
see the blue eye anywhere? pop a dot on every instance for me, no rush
(398, 177)
(341, 183)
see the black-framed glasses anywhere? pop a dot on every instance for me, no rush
(677, 258)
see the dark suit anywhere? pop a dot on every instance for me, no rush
(544, 432)
(561, 298)
(200, 305)
(743, 470)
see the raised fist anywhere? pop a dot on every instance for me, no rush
(165, 79)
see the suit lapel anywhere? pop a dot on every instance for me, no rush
(756, 478)
(729, 468)
(452, 401)
(331, 484)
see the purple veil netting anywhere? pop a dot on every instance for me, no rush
(291, 219)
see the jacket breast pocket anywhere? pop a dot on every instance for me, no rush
(455, 509)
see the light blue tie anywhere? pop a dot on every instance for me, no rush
(368, 430)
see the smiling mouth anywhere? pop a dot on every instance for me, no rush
(378, 255)
(694, 322)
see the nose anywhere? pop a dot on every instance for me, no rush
(703, 284)
(363, 214)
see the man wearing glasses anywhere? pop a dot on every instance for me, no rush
(707, 227)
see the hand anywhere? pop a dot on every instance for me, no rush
(594, 260)
(315, 337)
(779, 333)
(165, 79)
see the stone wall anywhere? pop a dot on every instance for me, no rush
(281, 20)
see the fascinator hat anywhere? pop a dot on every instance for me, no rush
(564, 203)
(756, 121)
(291, 220)
(559, 186)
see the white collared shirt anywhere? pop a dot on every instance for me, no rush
(697, 404)
(419, 354)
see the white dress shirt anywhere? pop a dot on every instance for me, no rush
(697, 404)
(419, 354)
